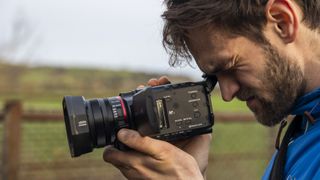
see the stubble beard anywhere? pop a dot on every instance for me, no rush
(283, 80)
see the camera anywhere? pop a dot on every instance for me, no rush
(167, 112)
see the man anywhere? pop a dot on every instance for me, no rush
(264, 52)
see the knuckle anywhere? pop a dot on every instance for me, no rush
(144, 142)
(108, 155)
(166, 151)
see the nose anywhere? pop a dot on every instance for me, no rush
(229, 86)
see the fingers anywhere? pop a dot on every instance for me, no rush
(164, 80)
(140, 86)
(115, 157)
(199, 147)
(133, 165)
(147, 145)
(153, 82)
(156, 82)
(123, 159)
(144, 162)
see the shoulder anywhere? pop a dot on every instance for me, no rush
(303, 158)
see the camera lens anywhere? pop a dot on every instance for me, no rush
(92, 123)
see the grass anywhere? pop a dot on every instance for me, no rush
(239, 138)
(47, 142)
(239, 151)
(232, 144)
(235, 105)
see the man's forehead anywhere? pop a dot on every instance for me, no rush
(205, 42)
(207, 36)
(213, 64)
(209, 48)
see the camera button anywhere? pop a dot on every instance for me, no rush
(175, 105)
(195, 104)
(168, 99)
(188, 122)
(196, 114)
(179, 123)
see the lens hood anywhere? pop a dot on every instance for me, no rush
(77, 125)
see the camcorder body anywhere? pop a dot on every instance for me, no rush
(167, 112)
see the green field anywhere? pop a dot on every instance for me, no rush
(231, 148)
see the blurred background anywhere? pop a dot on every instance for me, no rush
(97, 48)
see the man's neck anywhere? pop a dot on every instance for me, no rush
(312, 62)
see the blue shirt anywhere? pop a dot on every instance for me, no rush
(303, 155)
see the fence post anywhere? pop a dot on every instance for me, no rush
(11, 140)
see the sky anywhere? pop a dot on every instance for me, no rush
(123, 34)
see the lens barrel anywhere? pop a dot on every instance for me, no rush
(92, 123)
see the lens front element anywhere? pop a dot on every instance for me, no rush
(93, 123)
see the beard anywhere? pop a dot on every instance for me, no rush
(283, 80)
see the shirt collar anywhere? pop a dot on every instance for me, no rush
(309, 102)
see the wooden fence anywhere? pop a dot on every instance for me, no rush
(13, 115)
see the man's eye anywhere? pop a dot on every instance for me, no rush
(230, 70)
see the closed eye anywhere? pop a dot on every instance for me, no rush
(233, 64)
(229, 66)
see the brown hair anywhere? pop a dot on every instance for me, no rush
(238, 17)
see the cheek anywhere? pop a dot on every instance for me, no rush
(249, 80)
(258, 84)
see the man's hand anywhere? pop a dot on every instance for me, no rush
(155, 159)
(152, 159)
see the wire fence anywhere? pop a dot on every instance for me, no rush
(240, 150)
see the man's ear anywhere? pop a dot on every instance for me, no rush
(283, 15)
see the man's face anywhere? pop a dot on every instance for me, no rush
(255, 73)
